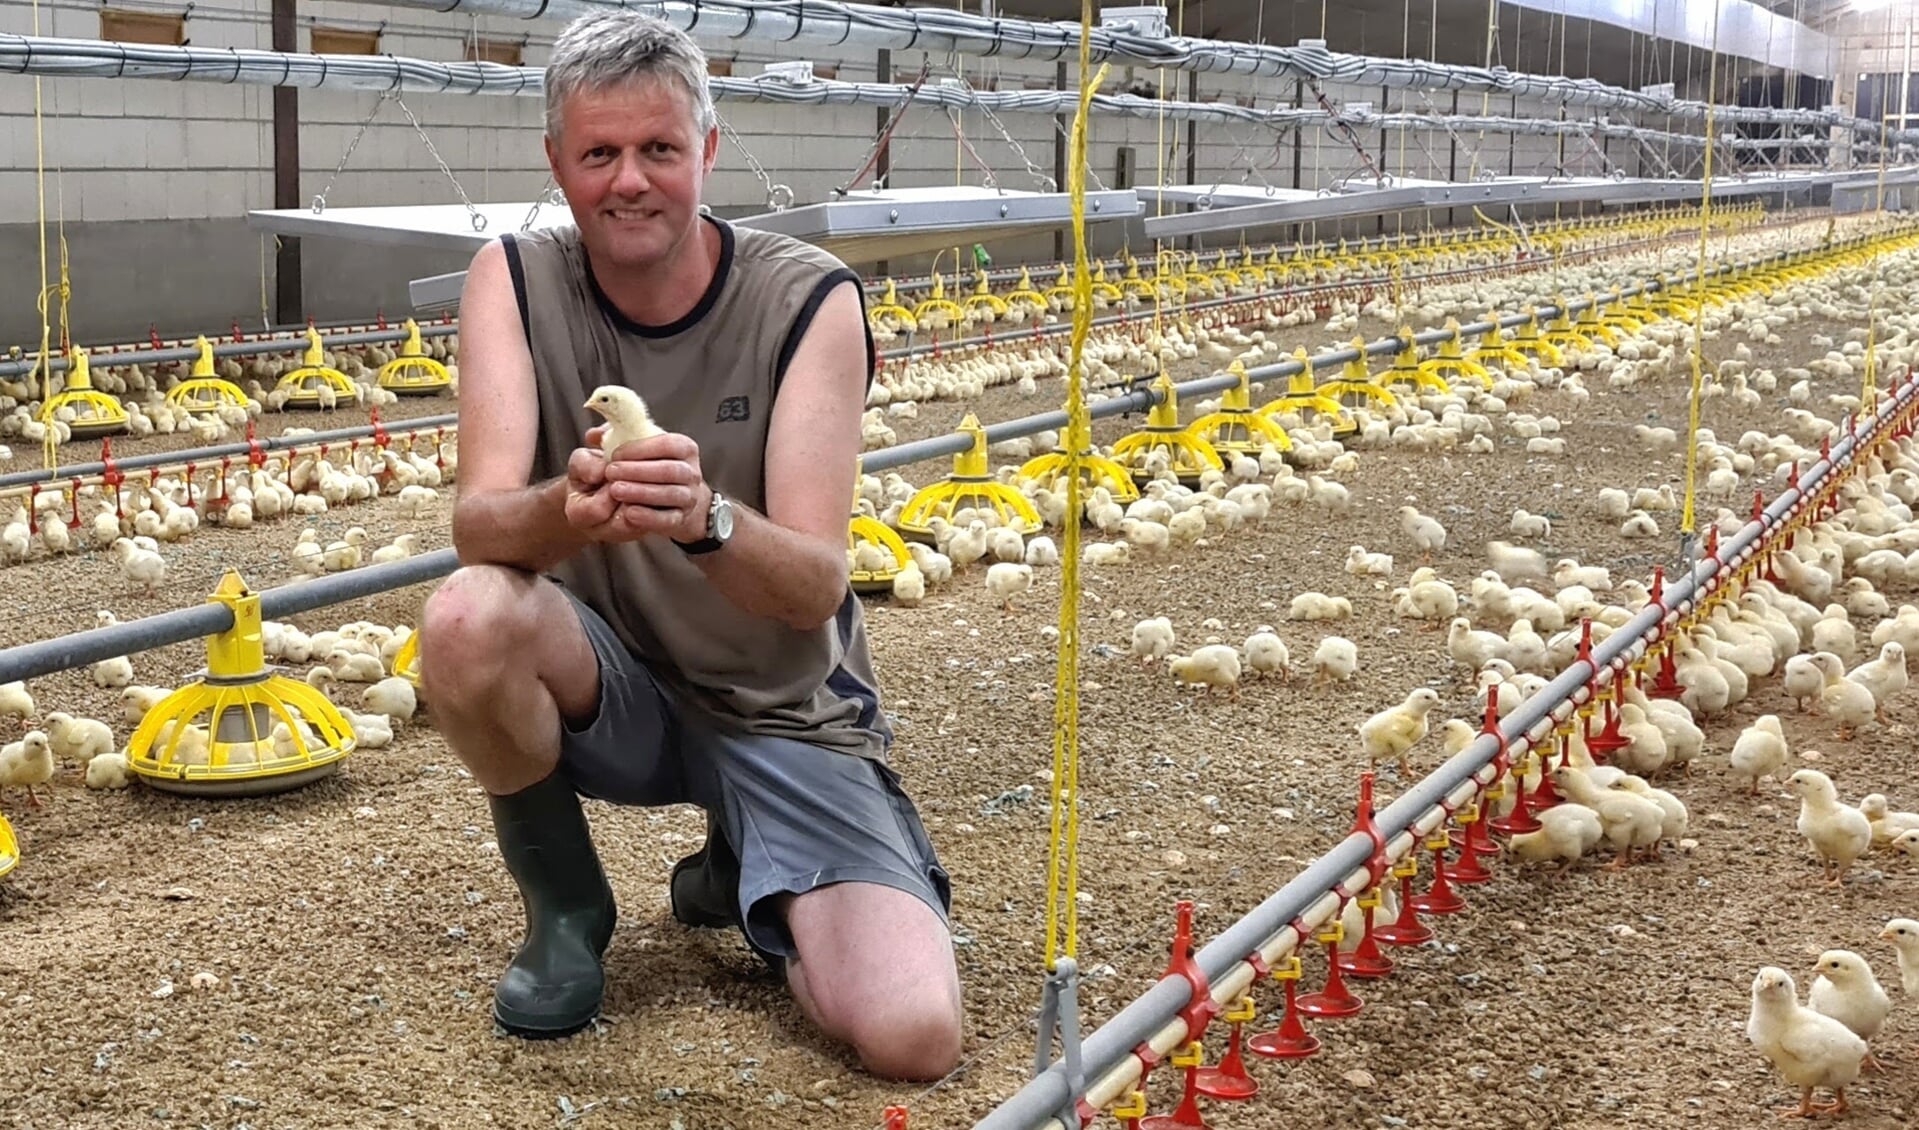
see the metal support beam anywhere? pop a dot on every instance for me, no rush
(288, 305)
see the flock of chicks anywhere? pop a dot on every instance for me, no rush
(359, 653)
(1798, 628)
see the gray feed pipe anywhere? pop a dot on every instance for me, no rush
(47, 656)
(17, 479)
(28, 661)
(1037, 1103)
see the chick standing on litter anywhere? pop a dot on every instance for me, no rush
(1397, 729)
(1838, 834)
(627, 420)
(1811, 1050)
(1846, 990)
(1903, 933)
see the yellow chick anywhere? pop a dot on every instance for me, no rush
(1393, 732)
(1006, 580)
(627, 420)
(1846, 990)
(1903, 933)
(109, 771)
(1153, 639)
(1266, 654)
(1838, 834)
(1215, 665)
(1630, 822)
(1759, 752)
(26, 763)
(1566, 832)
(1811, 1050)
(1886, 824)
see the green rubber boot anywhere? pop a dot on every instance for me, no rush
(705, 887)
(553, 985)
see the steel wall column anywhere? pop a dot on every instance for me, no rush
(288, 308)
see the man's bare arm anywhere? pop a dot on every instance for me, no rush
(498, 518)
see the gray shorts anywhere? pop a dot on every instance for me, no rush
(797, 816)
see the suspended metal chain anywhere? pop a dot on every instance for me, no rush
(778, 196)
(473, 214)
(319, 201)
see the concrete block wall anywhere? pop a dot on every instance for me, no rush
(157, 176)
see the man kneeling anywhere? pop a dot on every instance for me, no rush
(701, 644)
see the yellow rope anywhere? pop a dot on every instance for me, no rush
(1062, 869)
(1688, 520)
(49, 445)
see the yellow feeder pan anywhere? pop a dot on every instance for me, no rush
(1304, 397)
(9, 848)
(889, 311)
(1095, 470)
(1190, 457)
(237, 706)
(94, 412)
(301, 387)
(1529, 341)
(1562, 334)
(970, 486)
(1592, 325)
(413, 373)
(406, 661)
(1023, 292)
(983, 305)
(1408, 370)
(870, 533)
(938, 312)
(1234, 426)
(1356, 382)
(202, 391)
(1494, 350)
(1618, 314)
(1450, 364)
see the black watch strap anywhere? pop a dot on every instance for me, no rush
(704, 545)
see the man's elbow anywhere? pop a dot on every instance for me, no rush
(822, 599)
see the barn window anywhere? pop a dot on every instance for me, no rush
(123, 26)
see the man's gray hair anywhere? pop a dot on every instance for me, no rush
(610, 48)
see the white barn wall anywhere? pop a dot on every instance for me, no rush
(158, 175)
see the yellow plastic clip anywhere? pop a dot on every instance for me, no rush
(1369, 899)
(1438, 841)
(1332, 933)
(1406, 868)
(1290, 970)
(1130, 1107)
(1468, 813)
(1242, 1011)
(1192, 1055)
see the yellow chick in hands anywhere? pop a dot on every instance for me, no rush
(627, 420)
(1809, 1049)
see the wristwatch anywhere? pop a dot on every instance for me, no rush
(719, 527)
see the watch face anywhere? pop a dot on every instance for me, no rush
(723, 520)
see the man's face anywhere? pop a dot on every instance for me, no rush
(632, 162)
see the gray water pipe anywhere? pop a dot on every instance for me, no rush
(44, 657)
(1035, 1104)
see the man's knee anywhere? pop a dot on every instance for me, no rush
(912, 1035)
(475, 615)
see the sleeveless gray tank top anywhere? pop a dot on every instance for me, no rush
(713, 375)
